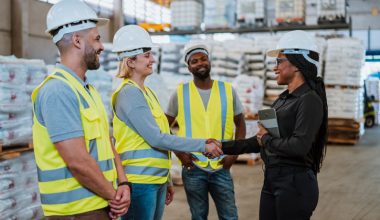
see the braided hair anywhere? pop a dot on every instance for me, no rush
(309, 72)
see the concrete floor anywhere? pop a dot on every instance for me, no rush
(349, 185)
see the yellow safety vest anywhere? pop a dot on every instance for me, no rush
(142, 163)
(217, 121)
(61, 193)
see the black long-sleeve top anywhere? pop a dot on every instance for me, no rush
(299, 116)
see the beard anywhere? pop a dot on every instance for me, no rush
(202, 73)
(91, 59)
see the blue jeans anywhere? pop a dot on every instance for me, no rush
(198, 183)
(147, 202)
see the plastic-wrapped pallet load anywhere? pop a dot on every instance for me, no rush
(108, 59)
(290, 11)
(344, 60)
(219, 13)
(19, 195)
(311, 15)
(344, 89)
(186, 14)
(18, 77)
(331, 11)
(345, 102)
(251, 12)
(251, 92)
(102, 81)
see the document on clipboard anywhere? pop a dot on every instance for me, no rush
(268, 118)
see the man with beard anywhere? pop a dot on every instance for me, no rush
(78, 169)
(206, 108)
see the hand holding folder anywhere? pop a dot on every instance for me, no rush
(268, 119)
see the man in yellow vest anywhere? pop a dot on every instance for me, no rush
(206, 108)
(80, 175)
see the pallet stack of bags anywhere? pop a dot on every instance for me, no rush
(18, 78)
(344, 89)
(19, 194)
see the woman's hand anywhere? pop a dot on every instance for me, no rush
(262, 131)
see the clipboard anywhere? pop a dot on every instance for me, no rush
(268, 118)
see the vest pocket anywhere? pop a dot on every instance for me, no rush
(91, 123)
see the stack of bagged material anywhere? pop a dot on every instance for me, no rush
(344, 60)
(219, 13)
(331, 11)
(251, 12)
(345, 103)
(344, 89)
(186, 14)
(170, 58)
(373, 91)
(18, 78)
(322, 45)
(19, 195)
(102, 81)
(290, 11)
(108, 59)
(250, 91)
(158, 85)
(253, 63)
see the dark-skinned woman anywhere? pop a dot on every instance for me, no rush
(290, 189)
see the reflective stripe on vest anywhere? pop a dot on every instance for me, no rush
(141, 162)
(225, 104)
(61, 193)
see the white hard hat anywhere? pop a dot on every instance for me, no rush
(296, 42)
(194, 47)
(129, 41)
(66, 12)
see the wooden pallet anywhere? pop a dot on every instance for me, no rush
(9, 152)
(343, 131)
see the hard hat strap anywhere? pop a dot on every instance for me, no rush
(131, 53)
(304, 53)
(73, 27)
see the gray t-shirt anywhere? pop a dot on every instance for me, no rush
(205, 95)
(57, 108)
(132, 108)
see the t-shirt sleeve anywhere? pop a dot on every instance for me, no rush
(172, 109)
(238, 107)
(57, 108)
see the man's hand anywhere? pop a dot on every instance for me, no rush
(169, 195)
(213, 148)
(186, 160)
(120, 204)
(262, 131)
(228, 161)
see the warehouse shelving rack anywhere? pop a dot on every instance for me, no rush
(272, 29)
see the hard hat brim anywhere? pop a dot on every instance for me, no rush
(273, 53)
(99, 22)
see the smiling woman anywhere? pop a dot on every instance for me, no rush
(292, 160)
(141, 129)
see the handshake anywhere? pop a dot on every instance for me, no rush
(213, 148)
